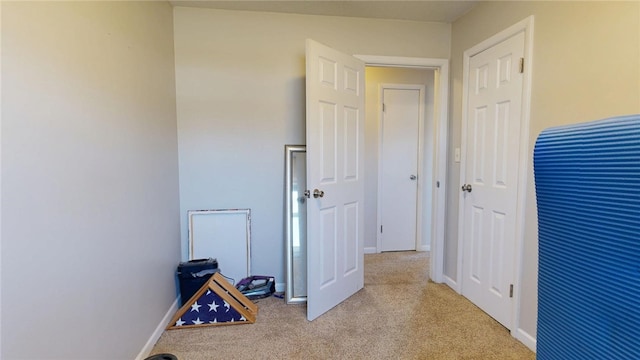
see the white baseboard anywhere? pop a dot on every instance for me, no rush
(374, 250)
(451, 283)
(146, 350)
(281, 287)
(526, 338)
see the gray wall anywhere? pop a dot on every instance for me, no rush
(90, 235)
(586, 66)
(240, 99)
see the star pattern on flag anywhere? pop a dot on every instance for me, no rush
(196, 307)
(213, 306)
(198, 316)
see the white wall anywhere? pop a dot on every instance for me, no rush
(240, 99)
(586, 66)
(90, 235)
(376, 76)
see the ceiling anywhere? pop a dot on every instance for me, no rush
(424, 10)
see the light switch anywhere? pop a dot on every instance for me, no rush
(456, 155)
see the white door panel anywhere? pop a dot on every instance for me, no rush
(335, 155)
(400, 131)
(491, 169)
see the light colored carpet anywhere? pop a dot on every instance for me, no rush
(398, 315)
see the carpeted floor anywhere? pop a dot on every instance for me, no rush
(398, 315)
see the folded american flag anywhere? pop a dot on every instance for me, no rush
(209, 308)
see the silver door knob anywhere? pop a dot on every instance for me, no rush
(412, 177)
(318, 193)
(466, 187)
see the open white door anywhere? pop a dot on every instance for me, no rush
(335, 177)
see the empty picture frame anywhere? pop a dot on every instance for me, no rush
(224, 235)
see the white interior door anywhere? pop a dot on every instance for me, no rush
(400, 132)
(490, 191)
(335, 177)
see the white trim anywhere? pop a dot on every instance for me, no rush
(400, 61)
(441, 129)
(452, 283)
(370, 250)
(441, 133)
(525, 157)
(380, 115)
(525, 26)
(420, 170)
(527, 339)
(424, 248)
(463, 159)
(146, 350)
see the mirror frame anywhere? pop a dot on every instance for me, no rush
(291, 271)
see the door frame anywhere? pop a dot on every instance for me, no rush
(420, 149)
(441, 133)
(525, 26)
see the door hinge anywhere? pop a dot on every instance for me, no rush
(383, 107)
(511, 290)
(380, 229)
(521, 65)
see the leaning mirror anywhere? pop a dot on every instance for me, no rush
(296, 223)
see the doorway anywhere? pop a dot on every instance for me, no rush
(435, 146)
(397, 219)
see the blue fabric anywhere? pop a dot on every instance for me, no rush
(587, 180)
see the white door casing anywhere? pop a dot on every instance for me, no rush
(399, 166)
(440, 136)
(491, 169)
(335, 158)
